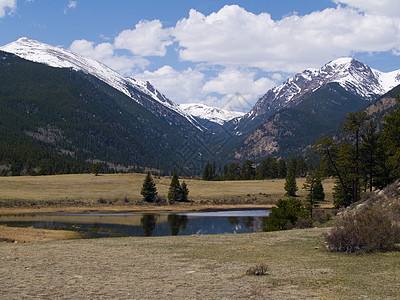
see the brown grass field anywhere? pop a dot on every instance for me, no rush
(196, 267)
(121, 192)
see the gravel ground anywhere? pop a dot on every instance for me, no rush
(115, 268)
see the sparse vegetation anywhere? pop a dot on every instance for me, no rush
(370, 226)
(258, 270)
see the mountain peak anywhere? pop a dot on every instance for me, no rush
(213, 114)
(347, 61)
(58, 57)
(354, 76)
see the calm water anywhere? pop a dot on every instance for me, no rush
(114, 225)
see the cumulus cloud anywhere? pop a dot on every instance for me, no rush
(105, 53)
(147, 39)
(7, 5)
(233, 36)
(380, 7)
(243, 45)
(180, 86)
(232, 81)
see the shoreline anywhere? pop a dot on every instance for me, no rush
(179, 208)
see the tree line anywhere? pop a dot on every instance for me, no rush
(269, 168)
(364, 158)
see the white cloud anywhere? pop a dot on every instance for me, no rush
(243, 44)
(375, 7)
(231, 88)
(71, 5)
(232, 81)
(180, 86)
(233, 36)
(147, 39)
(105, 53)
(7, 5)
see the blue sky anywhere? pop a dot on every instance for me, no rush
(212, 51)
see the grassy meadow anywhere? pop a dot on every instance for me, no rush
(124, 190)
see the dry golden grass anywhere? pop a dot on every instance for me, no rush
(122, 191)
(196, 267)
(29, 234)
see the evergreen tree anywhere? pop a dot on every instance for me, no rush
(290, 184)
(149, 190)
(390, 140)
(285, 214)
(175, 190)
(233, 172)
(185, 192)
(281, 168)
(208, 171)
(354, 124)
(371, 157)
(96, 169)
(247, 171)
(315, 189)
(339, 165)
(301, 167)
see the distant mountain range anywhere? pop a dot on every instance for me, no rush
(55, 102)
(212, 114)
(291, 117)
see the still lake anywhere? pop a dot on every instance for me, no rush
(135, 224)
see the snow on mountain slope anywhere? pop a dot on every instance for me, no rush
(213, 114)
(352, 75)
(60, 58)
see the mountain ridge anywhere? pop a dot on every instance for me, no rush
(212, 114)
(352, 75)
(61, 58)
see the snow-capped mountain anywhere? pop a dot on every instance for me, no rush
(61, 58)
(354, 76)
(212, 114)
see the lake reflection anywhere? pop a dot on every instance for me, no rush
(116, 225)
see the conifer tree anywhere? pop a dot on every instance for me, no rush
(185, 192)
(149, 190)
(175, 190)
(290, 184)
(313, 186)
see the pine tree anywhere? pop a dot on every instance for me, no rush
(175, 190)
(354, 124)
(149, 190)
(315, 189)
(185, 192)
(290, 184)
(390, 140)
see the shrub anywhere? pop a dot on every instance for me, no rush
(363, 232)
(285, 215)
(258, 270)
(303, 223)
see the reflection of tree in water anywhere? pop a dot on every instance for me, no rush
(233, 220)
(177, 222)
(95, 227)
(148, 223)
(248, 222)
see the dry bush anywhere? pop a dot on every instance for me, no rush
(258, 270)
(373, 230)
(303, 223)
